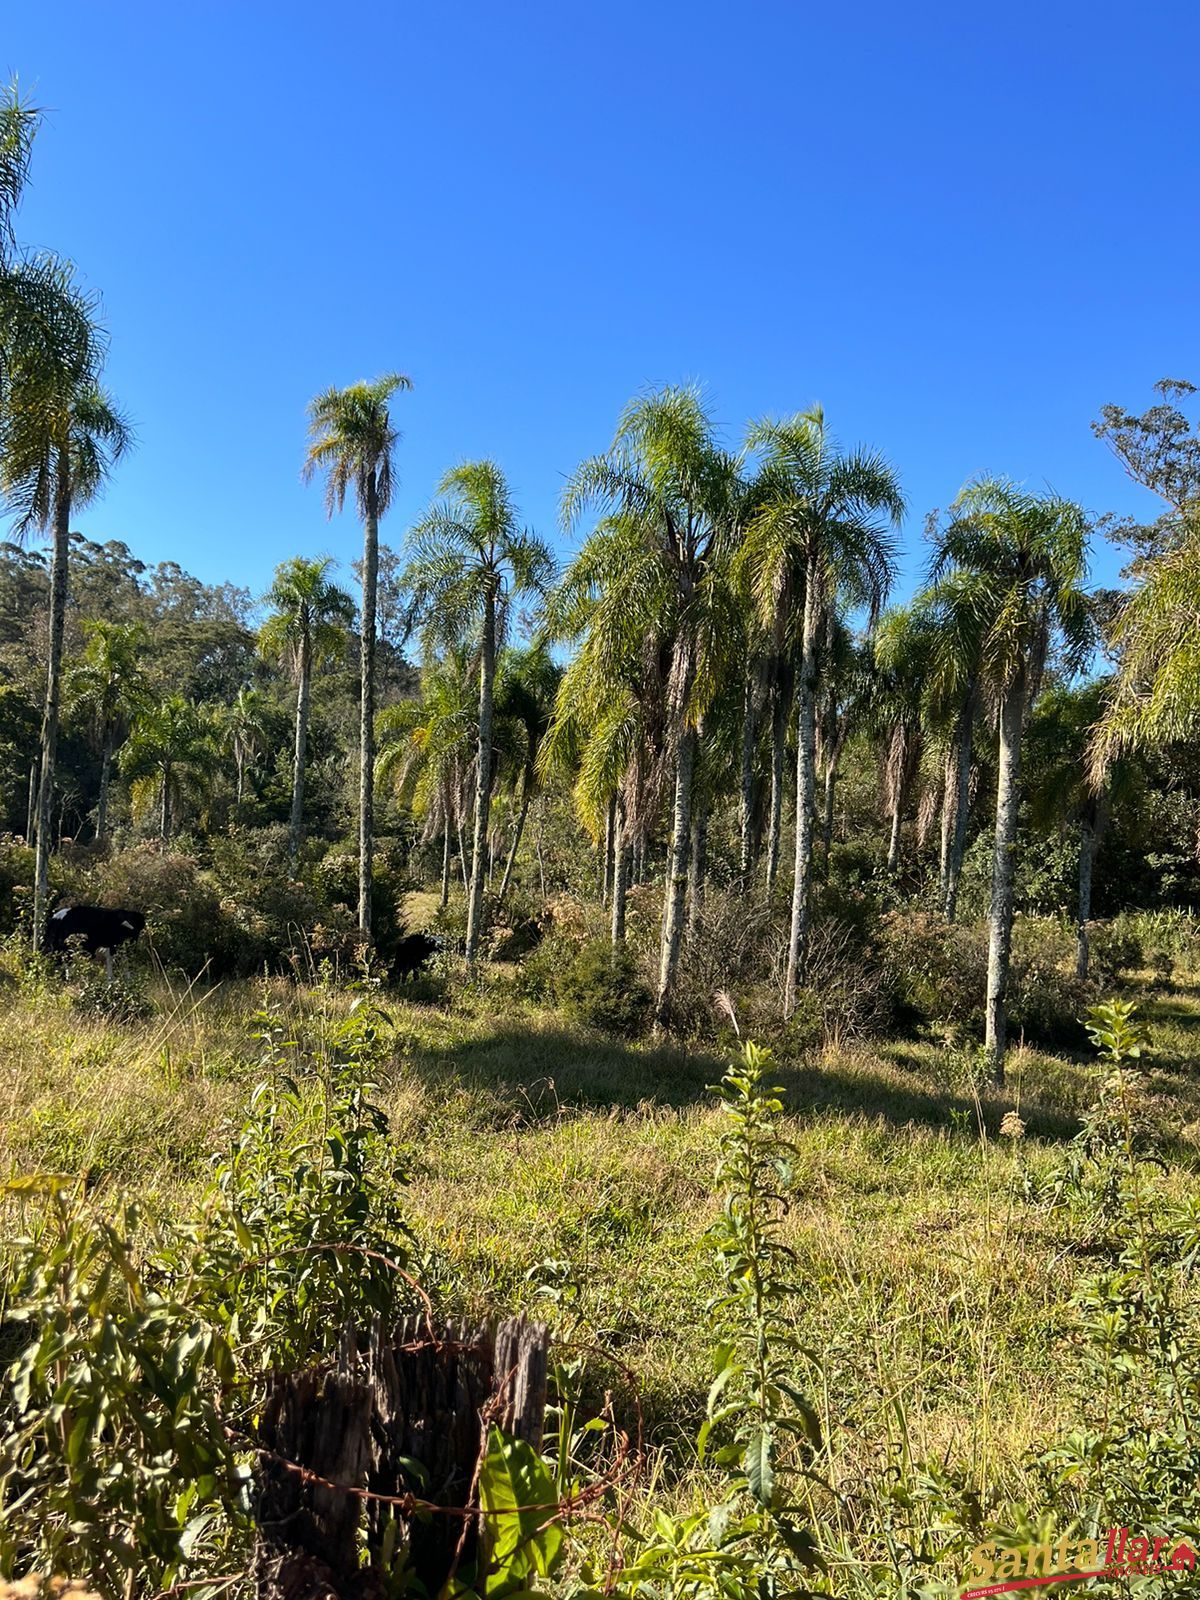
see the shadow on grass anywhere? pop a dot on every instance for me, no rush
(534, 1073)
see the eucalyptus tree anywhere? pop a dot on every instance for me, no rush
(352, 441)
(425, 750)
(470, 561)
(658, 570)
(108, 686)
(821, 533)
(246, 726)
(307, 628)
(896, 708)
(1023, 560)
(175, 749)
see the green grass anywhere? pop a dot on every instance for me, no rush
(570, 1174)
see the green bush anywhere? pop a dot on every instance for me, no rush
(936, 972)
(603, 988)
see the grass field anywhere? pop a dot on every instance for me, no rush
(561, 1171)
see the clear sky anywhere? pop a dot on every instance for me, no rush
(961, 227)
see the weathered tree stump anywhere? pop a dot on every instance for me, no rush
(397, 1416)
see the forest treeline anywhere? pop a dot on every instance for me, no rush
(717, 693)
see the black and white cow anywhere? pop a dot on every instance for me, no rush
(100, 927)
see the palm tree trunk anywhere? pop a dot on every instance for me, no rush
(239, 759)
(675, 897)
(366, 769)
(699, 868)
(483, 779)
(462, 855)
(300, 752)
(831, 773)
(610, 823)
(50, 717)
(537, 845)
(1088, 841)
(805, 794)
(622, 861)
(506, 879)
(893, 855)
(778, 750)
(445, 900)
(31, 806)
(105, 779)
(746, 802)
(1012, 717)
(164, 815)
(962, 797)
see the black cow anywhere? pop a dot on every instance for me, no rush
(100, 927)
(411, 955)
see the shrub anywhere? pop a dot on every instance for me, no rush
(937, 974)
(603, 988)
(185, 921)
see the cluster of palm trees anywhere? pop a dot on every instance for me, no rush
(707, 622)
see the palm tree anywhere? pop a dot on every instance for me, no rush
(1062, 789)
(526, 684)
(55, 439)
(107, 686)
(246, 728)
(425, 750)
(605, 737)
(308, 629)
(174, 746)
(470, 561)
(896, 708)
(656, 571)
(958, 622)
(55, 458)
(351, 440)
(821, 533)
(1023, 560)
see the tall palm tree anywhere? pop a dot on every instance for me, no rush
(50, 342)
(896, 708)
(1062, 792)
(55, 458)
(821, 533)
(657, 570)
(307, 628)
(470, 561)
(51, 353)
(527, 682)
(246, 731)
(1023, 559)
(107, 686)
(175, 748)
(605, 737)
(959, 619)
(352, 441)
(425, 750)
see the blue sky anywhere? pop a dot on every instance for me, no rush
(962, 228)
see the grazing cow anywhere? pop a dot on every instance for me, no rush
(411, 954)
(100, 927)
